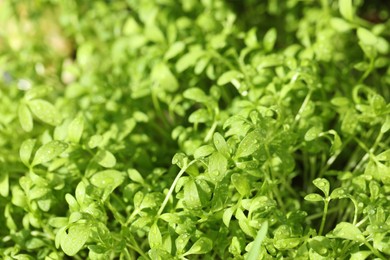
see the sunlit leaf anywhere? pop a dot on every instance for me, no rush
(249, 144)
(45, 111)
(25, 117)
(48, 151)
(75, 238)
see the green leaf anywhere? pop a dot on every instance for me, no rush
(338, 193)
(189, 59)
(361, 255)
(58, 222)
(346, 9)
(154, 33)
(171, 218)
(374, 190)
(251, 38)
(72, 202)
(4, 184)
(366, 37)
(254, 252)
(203, 151)
(75, 129)
(26, 150)
(181, 242)
(322, 184)
(386, 126)
(154, 236)
(340, 25)
(201, 64)
(135, 176)
(350, 122)
(270, 39)
(74, 240)
(348, 231)
(378, 171)
(217, 165)
(229, 77)
(221, 145)
(108, 179)
(314, 197)
(196, 94)
(336, 143)
(95, 141)
(37, 192)
(340, 101)
(227, 216)
(312, 133)
(287, 243)
(221, 194)
(378, 103)
(48, 152)
(199, 116)
(163, 77)
(202, 246)
(235, 247)
(159, 253)
(80, 193)
(384, 156)
(175, 49)
(196, 194)
(249, 144)
(105, 159)
(25, 117)
(241, 183)
(45, 111)
(244, 223)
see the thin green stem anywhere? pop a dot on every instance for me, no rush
(333, 158)
(173, 187)
(375, 251)
(361, 222)
(271, 177)
(368, 71)
(320, 214)
(157, 107)
(221, 58)
(303, 106)
(326, 205)
(369, 152)
(356, 212)
(134, 246)
(211, 132)
(116, 214)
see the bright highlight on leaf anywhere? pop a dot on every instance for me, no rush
(107, 179)
(249, 144)
(74, 239)
(254, 252)
(45, 111)
(201, 246)
(346, 9)
(25, 117)
(49, 151)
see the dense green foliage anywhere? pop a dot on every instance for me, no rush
(194, 129)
